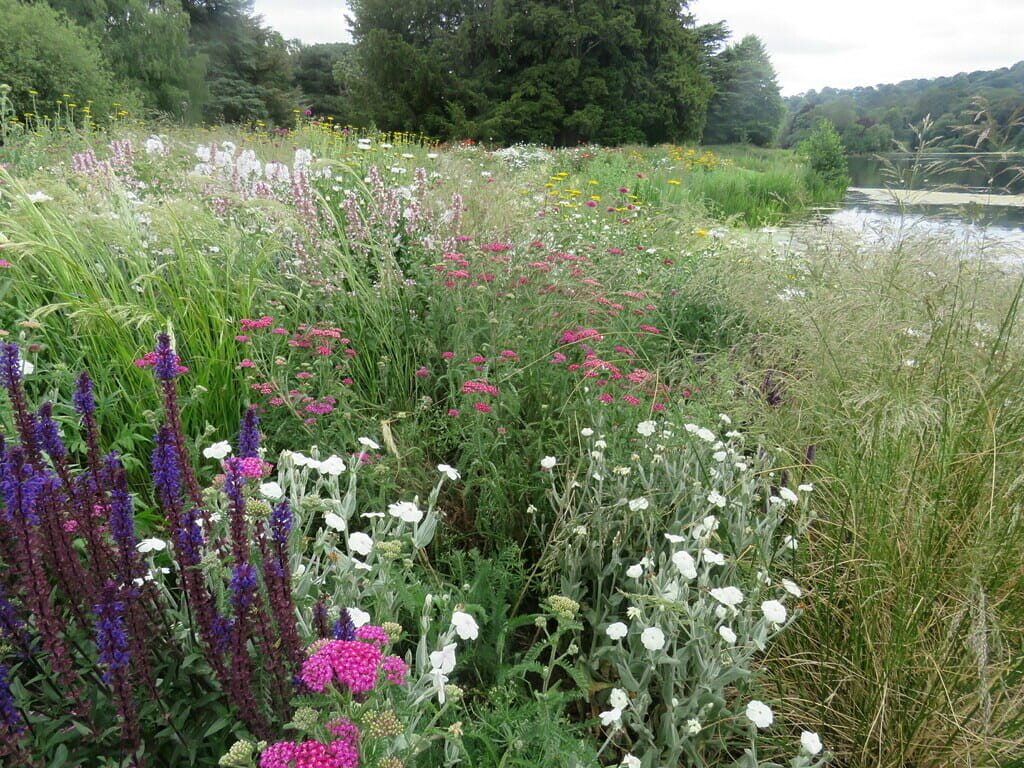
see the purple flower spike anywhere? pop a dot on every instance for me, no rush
(9, 714)
(281, 522)
(344, 629)
(83, 400)
(10, 366)
(249, 435)
(111, 640)
(167, 368)
(49, 435)
(166, 474)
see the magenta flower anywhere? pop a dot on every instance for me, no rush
(482, 407)
(349, 662)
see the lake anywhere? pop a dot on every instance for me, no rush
(973, 196)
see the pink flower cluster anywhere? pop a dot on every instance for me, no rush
(341, 753)
(355, 663)
(251, 466)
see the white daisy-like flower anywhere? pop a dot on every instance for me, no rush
(616, 630)
(618, 698)
(759, 713)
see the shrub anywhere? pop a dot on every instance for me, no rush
(826, 155)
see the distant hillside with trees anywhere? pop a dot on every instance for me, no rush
(981, 109)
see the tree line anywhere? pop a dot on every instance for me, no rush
(546, 71)
(981, 110)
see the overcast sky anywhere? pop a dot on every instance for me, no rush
(812, 43)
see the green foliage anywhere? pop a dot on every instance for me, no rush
(746, 105)
(534, 70)
(826, 157)
(869, 118)
(44, 58)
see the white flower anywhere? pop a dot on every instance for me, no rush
(301, 459)
(619, 698)
(154, 146)
(443, 660)
(332, 465)
(724, 418)
(792, 588)
(586, 431)
(727, 634)
(369, 443)
(25, 367)
(151, 545)
(633, 612)
(465, 625)
(218, 450)
(673, 539)
(38, 197)
(719, 456)
(616, 631)
(759, 713)
(774, 611)
(630, 760)
(360, 543)
(810, 742)
(713, 558)
(635, 505)
(647, 428)
(611, 717)
(406, 510)
(653, 639)
(728, 596)
(790, 542)
(335, 521)
(272, 490)
(548, 462)
(600, 444)
(693, 726)
(805, 488)
(787, 495)
(685, 564)
(716, 499)
(450, 471)
(359, 617)
(706, 527)
(706, 434)
(635, 571)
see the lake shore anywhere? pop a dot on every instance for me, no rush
(932, 197)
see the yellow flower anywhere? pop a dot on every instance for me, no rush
(673, 181)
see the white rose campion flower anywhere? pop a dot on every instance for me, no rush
(787, 495)
(685, 564)
(631, 761)
(548, 462)
(151, 545)
(727, 634)
(810, 742)
(653, 639)
(792, 588)
(635, 505)
(465, 625)
(635, 571)
(728, 596)
(359, 617)
(611, 717)
(647, 428)
(713, 558)
(618, 698)
(372, 444)
(759, 713)
(451, 472)
(272, 490)
(774, 611)
(218, 450)
(406, 510)
(716, 499)
(335, 521)
(333, 465)
(617, 630)
(360, 543)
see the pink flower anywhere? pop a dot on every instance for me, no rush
(447, 355)
(395, 669)
(423, 373)
(482, 407)
(349, 662)
(453, 413)
(241, 338)
(591, 204)
(4, 264)
(558, 357)
(623, 190)
(606, 398)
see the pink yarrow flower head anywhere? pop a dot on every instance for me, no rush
(348, 662)
(251, 466)
(341, 753)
